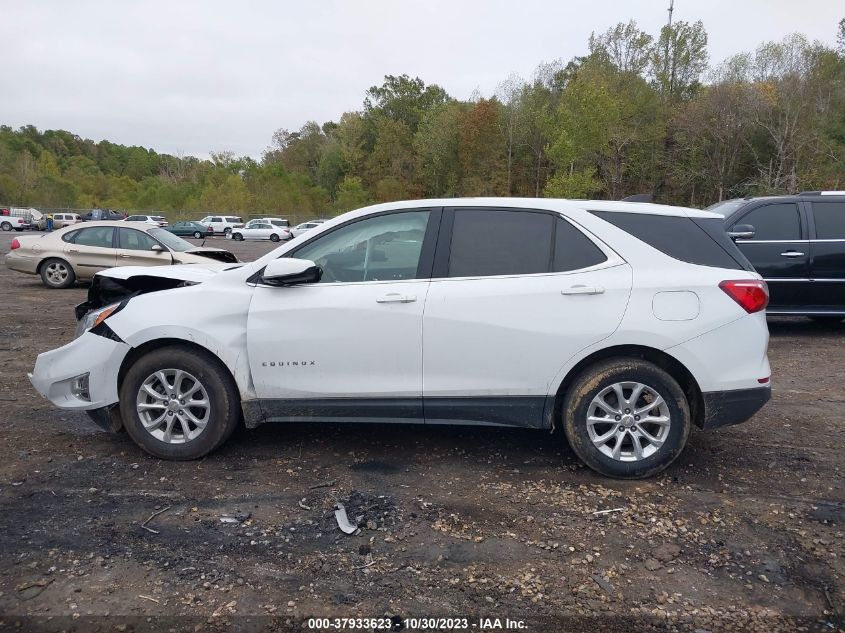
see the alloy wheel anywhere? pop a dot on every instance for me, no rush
(57, 273)
(628, 421)
(173, 406)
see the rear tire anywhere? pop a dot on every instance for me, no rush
(197, 235)
(274, 238)
(166, 426)
(57, 273)
(632, 436)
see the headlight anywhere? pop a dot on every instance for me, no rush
(94, 318)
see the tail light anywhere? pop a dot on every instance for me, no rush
(15, 244)
(751, 294)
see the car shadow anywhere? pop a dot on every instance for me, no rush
(803, 326)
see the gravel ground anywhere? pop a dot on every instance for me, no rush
(743, 532)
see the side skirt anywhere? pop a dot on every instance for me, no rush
(517, 411)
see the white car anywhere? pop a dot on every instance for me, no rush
(272, 230)
(623, 324)
(222, 224)
(299, 229)
(152, 220)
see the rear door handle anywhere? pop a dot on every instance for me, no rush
(123, 255)
(582, 290)
(395, 297)
(792, 254)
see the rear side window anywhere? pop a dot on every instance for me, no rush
(774, 222)
(100, 236)
(70, 237)
(216, 219)
(700, 241)
(573, 249)
(830, 220)
(491, 242)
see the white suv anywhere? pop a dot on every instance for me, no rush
(222, 224)
(624, 324)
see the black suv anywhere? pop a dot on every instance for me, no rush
(797, 243)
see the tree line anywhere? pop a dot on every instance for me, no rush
(637, 114)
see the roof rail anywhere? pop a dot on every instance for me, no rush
(822, 193)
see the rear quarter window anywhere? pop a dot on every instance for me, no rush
(830, 220)
(700, 241)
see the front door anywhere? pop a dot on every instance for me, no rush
(136, 249)
(349, 347)
(780, 252)
(520, 292)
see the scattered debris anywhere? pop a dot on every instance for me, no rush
(152, 516)
(38, 586)
(597, 512)
(652, 564)
(150, 598)
(302, 505)
(601, 582)
(324, 484)
(343, 521)
(238, 517)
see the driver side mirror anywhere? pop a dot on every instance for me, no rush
(742, 232)
(156, 248)
(289, 271)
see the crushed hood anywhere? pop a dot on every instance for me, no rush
(119, 284)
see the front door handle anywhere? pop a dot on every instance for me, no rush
(123, 255)
(582, 290)
(72, 250)
(395, 297)
(792, 254)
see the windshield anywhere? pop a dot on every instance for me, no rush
(171, 241)
(726, 207)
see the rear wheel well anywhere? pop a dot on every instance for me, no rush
(663, 360)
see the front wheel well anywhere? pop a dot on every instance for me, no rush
(145, 348)
(663, 360)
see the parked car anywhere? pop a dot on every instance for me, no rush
(95, 215)
(261, 230)
(73, 253)
(12, 222)
(152, 220)
(32, 218)
(623, 324)
(223, 224)
(61, 220)
(797, 243)
(299, 229)
(197, 230)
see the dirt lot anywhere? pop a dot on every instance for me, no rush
(745, 531)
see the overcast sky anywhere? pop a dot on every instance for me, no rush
(195, 77)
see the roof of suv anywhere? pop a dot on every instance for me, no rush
(554, 204)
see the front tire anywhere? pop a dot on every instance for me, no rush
(57, 273)
(197, 235)
(179, 403)
(6, 226)
(237, 237)
(626, 418)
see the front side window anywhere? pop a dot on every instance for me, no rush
(774, 222)
(216, 219)
(382, 248)
(100, 236)
(830, 220)
(492, 242)
(133, 240)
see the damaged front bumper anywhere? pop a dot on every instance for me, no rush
(81, 375)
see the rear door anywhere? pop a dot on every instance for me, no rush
(779, 251)
(136, 249)
(827, 256)
(515, 294)
(92, 250)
